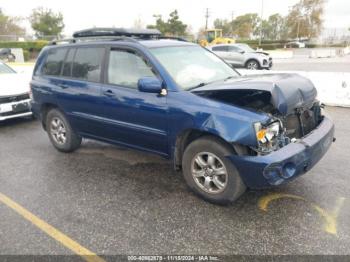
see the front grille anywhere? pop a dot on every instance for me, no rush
(16, 98)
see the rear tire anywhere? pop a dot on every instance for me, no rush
(60, 132)
(208, 172)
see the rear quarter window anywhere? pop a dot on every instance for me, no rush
(54, 61)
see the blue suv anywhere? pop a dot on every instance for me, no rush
(226, 132)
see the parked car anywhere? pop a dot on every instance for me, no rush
(295, 44)
(6, 55)
(14, 94)
(242, 55)
(224, 131)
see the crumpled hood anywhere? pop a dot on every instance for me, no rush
(14, 84)
(288, 91)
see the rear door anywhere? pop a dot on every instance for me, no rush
(135, 118)
(80, 87)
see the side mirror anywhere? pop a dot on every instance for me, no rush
(149, 84)
(242, 52)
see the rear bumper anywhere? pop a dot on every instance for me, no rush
(288, 162)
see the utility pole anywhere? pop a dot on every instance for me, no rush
(261, 20)
(206, 18)
(231, 24)
(298, 28)
(232, 15)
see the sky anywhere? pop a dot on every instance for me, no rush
(105, 13)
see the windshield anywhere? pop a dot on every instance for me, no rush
(245, 47)
(4, 69)
(192, 66)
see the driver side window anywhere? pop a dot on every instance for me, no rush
(125, 68)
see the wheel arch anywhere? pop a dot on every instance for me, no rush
(188, 136)
(44, 109)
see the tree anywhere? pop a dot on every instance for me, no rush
(160, 24)
(46, 23)
(274, 27)
(10, 25)
(305, 19)
(173, 26)
(245, 26)
(225, 25)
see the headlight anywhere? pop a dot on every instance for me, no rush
(268, 133)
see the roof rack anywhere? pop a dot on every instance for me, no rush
(88, 39)
(172, 38)
(114, 34)
(95, 32)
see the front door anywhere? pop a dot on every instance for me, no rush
(235, 56)
(132, 117)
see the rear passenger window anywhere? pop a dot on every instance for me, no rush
(67, 65)
(87, 64)
(54, 61)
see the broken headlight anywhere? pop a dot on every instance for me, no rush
(267, 136)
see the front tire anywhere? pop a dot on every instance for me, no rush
(61, 134)
(252, 64)
(208, 172)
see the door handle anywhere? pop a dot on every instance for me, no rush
(109, 93)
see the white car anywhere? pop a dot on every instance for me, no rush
(242, 55)
(14, 94)
(295, 44)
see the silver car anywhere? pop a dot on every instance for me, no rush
(242, 55)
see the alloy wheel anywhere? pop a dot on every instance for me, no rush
(209, 172)
(252, 65)
(58, 131)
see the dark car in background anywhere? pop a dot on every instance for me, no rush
(224, 131)
(6, 55)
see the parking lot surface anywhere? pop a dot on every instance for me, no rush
(112, 201)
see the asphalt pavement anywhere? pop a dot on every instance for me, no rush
(113, 201)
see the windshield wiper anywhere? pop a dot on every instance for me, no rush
(199, 85)
(204, 84)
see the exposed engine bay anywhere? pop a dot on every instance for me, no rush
(294, 111)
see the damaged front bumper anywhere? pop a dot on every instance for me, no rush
(288, 162)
